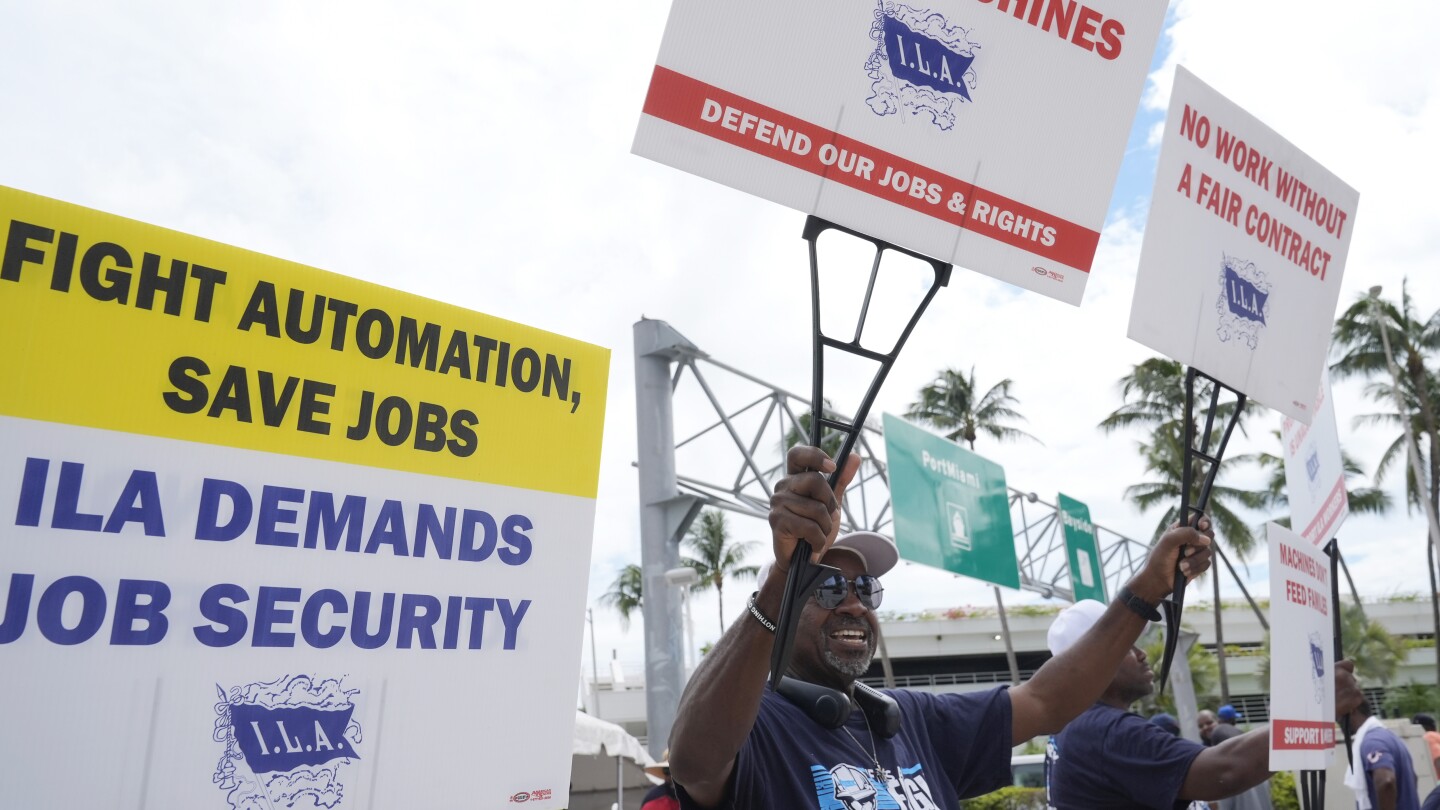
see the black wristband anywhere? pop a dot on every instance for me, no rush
(1139, 606)
(760, 617)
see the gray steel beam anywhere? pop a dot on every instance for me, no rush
(664, 516)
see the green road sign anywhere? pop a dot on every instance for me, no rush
(952, 509)
(1087, 579)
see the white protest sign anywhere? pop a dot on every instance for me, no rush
(1244, 252)
(985, 134)
(274, 537)
(1315, 471)
(1302, 654)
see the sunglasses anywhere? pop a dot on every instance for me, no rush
(831, 591)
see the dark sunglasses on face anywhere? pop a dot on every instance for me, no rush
(831, 592)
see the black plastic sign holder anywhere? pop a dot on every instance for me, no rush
(804, 575)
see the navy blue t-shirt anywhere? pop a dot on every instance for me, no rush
(1382, 749)
(949, 747)
(1109, 759)
(1432, 802)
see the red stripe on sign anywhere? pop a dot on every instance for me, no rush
(1301, 735)
(1319, 529)
(754, 127)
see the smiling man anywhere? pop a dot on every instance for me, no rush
(737, 744)
(1112, 759)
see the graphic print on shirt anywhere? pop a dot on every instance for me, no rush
(851, 787)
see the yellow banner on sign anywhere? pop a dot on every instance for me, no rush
(110, 323)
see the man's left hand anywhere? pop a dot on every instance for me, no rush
(1188, 547)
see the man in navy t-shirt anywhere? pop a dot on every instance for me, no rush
(1389, 773)
(737, 744)
(1112, 759)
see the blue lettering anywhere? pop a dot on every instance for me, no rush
(139, 502)
(514, 533)
(32, 491)
(267, 614)
(232, 619)
(511, 618)
(213, 492)
(452, 621)
(360, 623)
(129, 610)
(927, 52)
(52, 606)
(310, 619)
(389, 530)
(67, 501)
(322, 520)
(418, 613)
(271, 514)
(469, 552)
(17, 607)
(478, 607)
(427, 525)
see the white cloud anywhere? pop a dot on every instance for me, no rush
(435, 150)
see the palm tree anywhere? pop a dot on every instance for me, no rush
(626, 593)
(1360, 343)
(1361, 351)
(1154, 394)
(950, 404)
(1383, 392)
(716, 558)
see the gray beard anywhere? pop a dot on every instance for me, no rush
(849, 667)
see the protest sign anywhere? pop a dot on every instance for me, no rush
(1315, 471)
(984, 134)
(1302, 654)
(952, 509)
(274, 535)
(1082, 550)
(1243, 254)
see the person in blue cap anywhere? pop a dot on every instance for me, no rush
(1256, 798)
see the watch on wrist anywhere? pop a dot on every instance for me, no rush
(1139, 606)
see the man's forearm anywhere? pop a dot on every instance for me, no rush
(1387, 794)
(1229, 768)
(1069, 683)
(719, 706)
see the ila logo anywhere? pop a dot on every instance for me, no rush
(286, 741)
(921, 64)
(1244, 302)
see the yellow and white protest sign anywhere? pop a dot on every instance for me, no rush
(270, 536)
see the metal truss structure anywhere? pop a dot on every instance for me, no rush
(712, 435)
(755, 426)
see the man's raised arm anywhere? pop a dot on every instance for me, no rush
(722, 700)
(1070, 682)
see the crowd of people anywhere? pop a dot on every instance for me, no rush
(738, 743)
